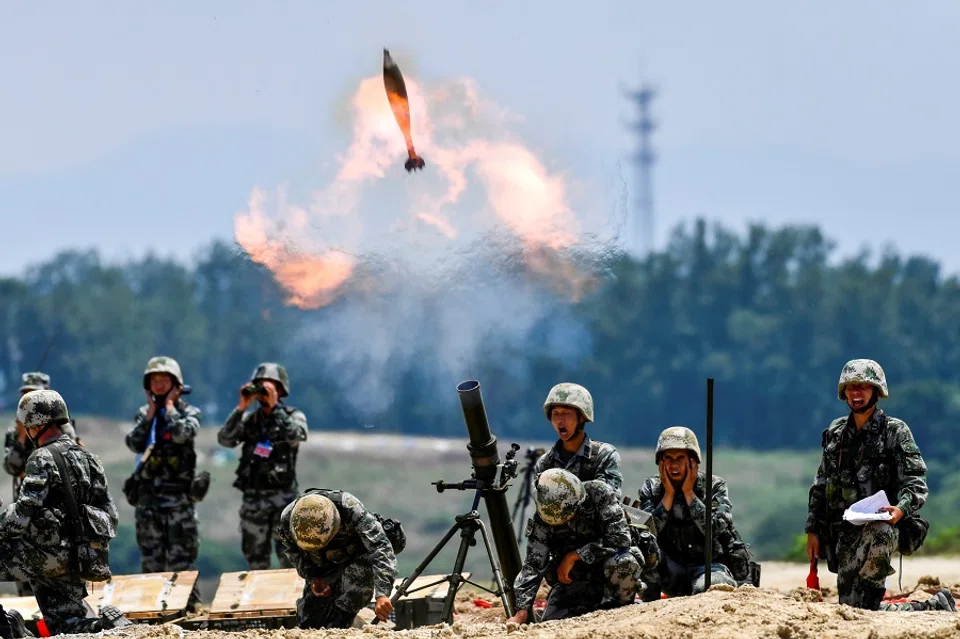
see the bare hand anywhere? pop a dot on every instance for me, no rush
(172, 398)
(520, 618)
(690, 480)
(272, 396)
(563, 571)
(245, 400)
(893, 510)
(384, 607)
(151, 405)
(668, 491)
(320, 588)
(813, 546)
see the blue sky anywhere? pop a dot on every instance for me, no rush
(128, 127)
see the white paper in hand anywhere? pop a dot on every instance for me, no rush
(867, 510)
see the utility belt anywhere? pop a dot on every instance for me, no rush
(137, 488)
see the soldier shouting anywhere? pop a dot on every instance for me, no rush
(568, 408)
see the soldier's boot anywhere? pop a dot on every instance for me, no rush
(194, 602)
(111, 617)
(6, 627)
(339, 618)
(943, 600)
(872, 597)
(19, 628)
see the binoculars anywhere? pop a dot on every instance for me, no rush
(253, 389)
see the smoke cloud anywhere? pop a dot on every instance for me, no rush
(480, 255)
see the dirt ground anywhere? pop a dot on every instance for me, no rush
(783, 608)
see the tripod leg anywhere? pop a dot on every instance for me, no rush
(456, 577)
(402, 590)
(505, 595)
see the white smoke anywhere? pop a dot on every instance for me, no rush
(478, 257)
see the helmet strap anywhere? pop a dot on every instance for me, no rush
(36, 440)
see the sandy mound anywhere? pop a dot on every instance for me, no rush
(718, 614)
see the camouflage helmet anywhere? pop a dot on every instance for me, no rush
(559, 494)
(572, 395)
(162, 364)
(314, 522)
(274, 372)
(40, 407)
(862, 371)
(677, 437)
(35, 381)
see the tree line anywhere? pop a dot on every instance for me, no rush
(771, 314)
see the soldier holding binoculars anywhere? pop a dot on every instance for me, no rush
(267, 473)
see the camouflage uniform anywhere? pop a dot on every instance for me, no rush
(267, 473)
(166, 518)
(680, 536)
(608, 572)
(681, 531)
(358, 563)
(16, 453)
(34, 530)
(857, 463)
(593, 460)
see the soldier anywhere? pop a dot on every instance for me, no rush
(38, 536)
(163, 436)
(267, 473)
(675, 499)
(343, 554)
(578, 541)
(864, 452)
(569, 407)
(18, 447)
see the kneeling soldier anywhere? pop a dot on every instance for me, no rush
(342, 552)
(579, 542)
(675, 499)
(39, 535)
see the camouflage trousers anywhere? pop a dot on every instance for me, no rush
(168, 537)
(259, 516)
(681, 580)
(169, 540)
(615, 582)
(863, 562)
(350, 591)
(60, 598)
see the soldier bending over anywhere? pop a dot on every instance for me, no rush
(343, 554)
(578, 540)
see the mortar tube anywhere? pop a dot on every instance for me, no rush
(485, 457)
